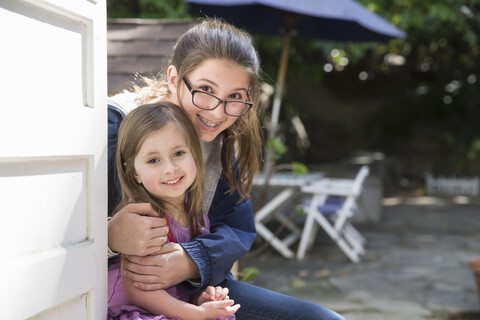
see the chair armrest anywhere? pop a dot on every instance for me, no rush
(334, 187)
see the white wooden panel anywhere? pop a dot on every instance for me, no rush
(53, 159)
(54, 279)
(46, 90)
(56, 213)
(76, 306)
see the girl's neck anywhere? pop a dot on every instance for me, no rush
(177, 212)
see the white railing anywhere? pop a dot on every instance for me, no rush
(452, 186)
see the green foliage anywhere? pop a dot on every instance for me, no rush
(249, 273)
(425, 106)
(163, 8)
(147, 9)
(277, 146)
(299, 168)
(278, 149)
(436, 93)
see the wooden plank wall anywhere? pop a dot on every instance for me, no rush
(140, 46)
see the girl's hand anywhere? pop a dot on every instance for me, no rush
(141, 220)
(213, 294)
(218, 309)
(162, 270)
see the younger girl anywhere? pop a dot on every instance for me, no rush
(159, 161)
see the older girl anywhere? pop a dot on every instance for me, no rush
(214, 75)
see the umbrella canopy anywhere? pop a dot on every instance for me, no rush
(337, 20)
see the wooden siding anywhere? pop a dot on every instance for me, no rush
(140, 46)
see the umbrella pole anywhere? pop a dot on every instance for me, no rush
(277, 101)
(282, 71)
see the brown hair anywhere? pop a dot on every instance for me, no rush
(133, 131)
(214, 39)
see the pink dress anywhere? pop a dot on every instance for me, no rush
(120, 308)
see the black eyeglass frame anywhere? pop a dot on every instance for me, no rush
(220, 101)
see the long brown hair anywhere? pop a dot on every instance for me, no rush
(214, 39)
(133, 131)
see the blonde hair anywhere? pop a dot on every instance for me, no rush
(214, 39)
(133, 131)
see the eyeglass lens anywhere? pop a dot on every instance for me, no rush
(206, 101)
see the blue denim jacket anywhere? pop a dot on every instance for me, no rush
(232, 227)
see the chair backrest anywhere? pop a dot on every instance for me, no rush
(351, 200)
(333, 203)
(360, 179)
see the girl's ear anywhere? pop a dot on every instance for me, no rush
(172, 79)
(136, 176)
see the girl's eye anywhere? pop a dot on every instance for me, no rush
(236, 96)
(206, 89)
(154, 160)
(179, 153)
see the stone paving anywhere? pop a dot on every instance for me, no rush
(416, 265)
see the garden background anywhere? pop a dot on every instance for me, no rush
(412, 104)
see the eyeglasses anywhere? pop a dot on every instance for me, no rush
(207, 101)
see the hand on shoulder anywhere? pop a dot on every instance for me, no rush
(141, 220)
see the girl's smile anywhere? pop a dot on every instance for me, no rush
(173, 181)
(223, 79)
(165, 165)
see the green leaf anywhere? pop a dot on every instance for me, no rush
(249, 273)
(299, 168)
(277, 146)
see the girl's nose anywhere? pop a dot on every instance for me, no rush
(218, 112)
(170, 166)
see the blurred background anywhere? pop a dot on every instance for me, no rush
(410, 107)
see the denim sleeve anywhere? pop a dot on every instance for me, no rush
(115, 117)
(232, 232)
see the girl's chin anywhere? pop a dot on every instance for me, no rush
(207, 134)
(208, 137)
(175, 199)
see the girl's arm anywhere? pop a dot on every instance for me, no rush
(208, 258)
(232, 232)
(160, 302)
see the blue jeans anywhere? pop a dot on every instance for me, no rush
(262, 304)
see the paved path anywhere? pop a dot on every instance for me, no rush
(416, 266)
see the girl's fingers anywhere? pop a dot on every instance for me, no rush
(202, 298)
(233, 309)
(211, 292)
(224, 294)
(224, 304)
(218, 293)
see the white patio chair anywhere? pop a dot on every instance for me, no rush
(291, 184)
(333, 204)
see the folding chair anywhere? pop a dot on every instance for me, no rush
(333, 203)
(291, 184)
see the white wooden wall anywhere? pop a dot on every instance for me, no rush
(53, 159)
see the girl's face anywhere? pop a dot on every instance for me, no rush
(165, 164)
(221, 78)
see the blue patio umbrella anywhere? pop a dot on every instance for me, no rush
(338, 20)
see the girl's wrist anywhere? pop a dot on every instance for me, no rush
(199, 313)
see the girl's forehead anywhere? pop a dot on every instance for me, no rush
(171, 133)
(221, 72)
